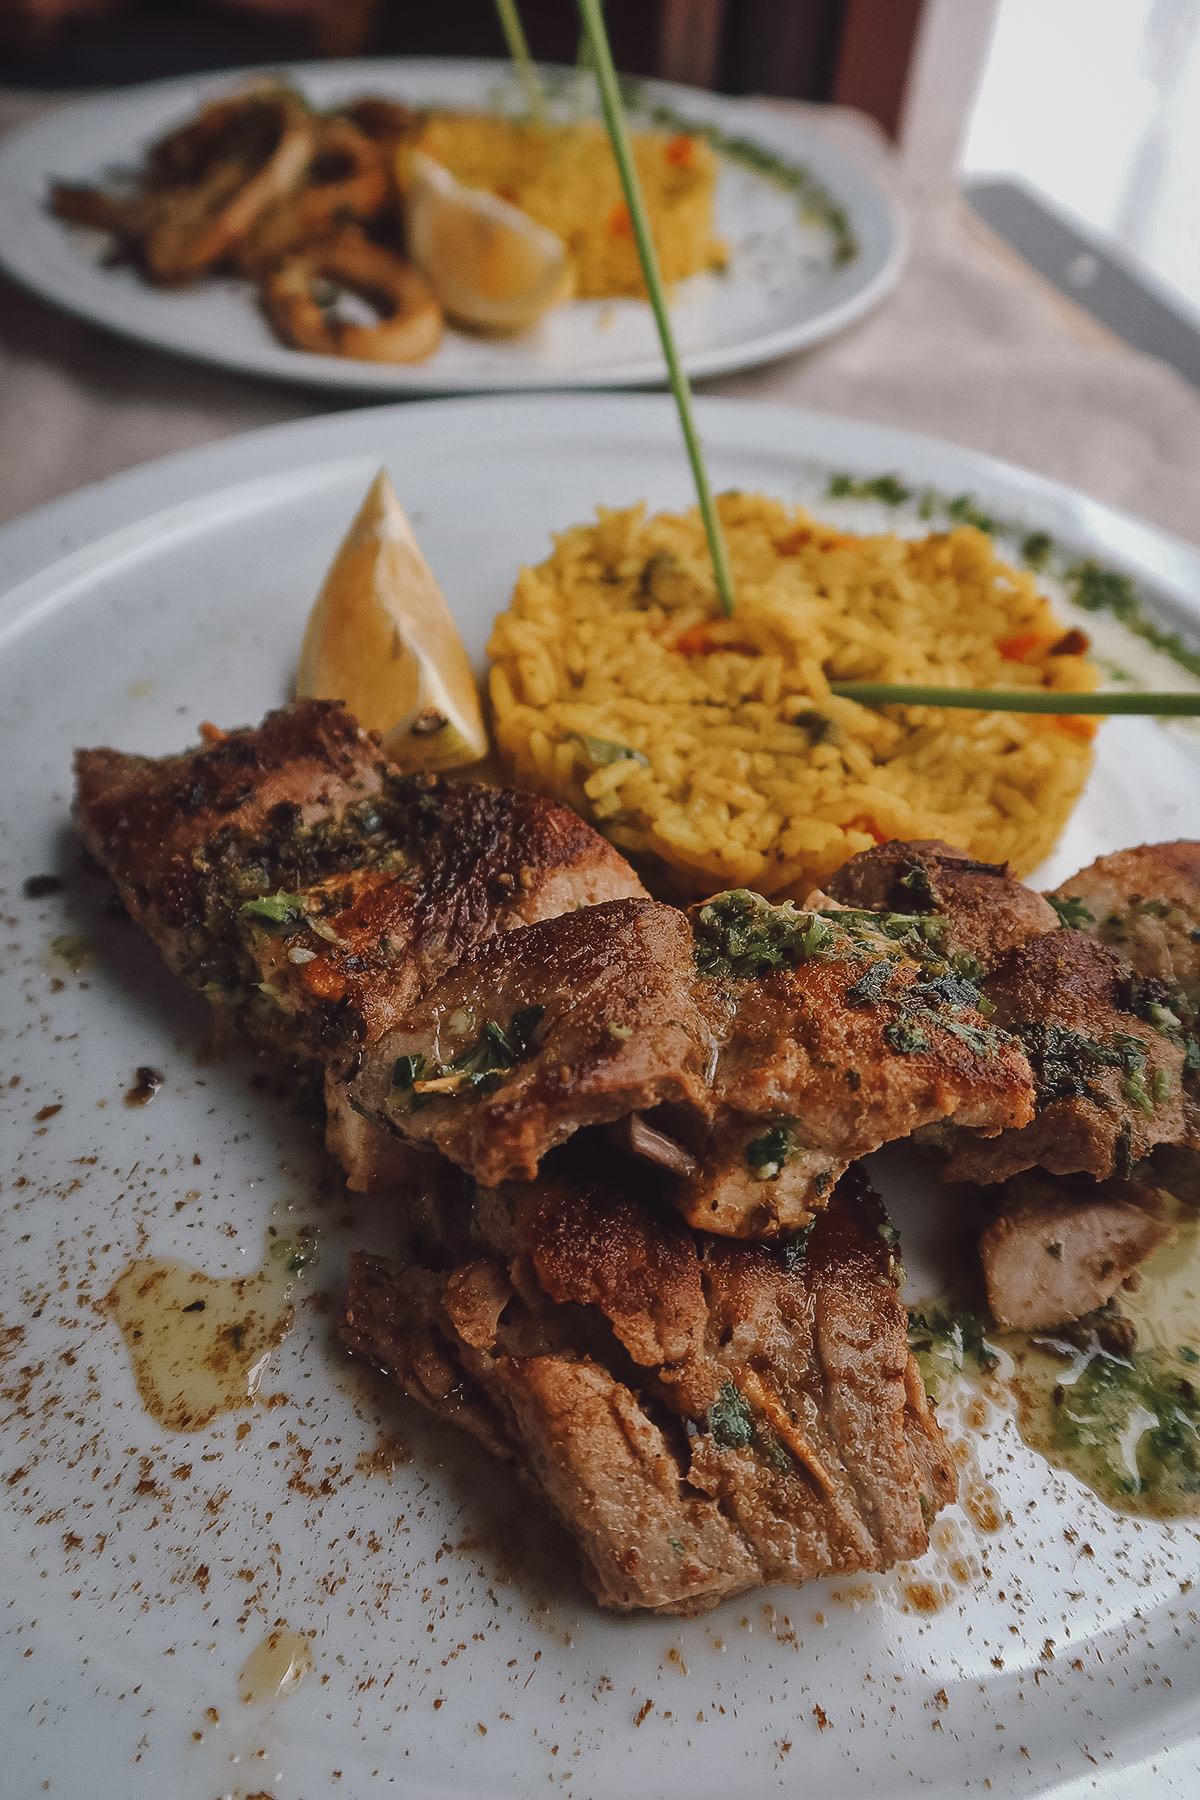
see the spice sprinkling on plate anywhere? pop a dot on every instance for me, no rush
(146, 1084)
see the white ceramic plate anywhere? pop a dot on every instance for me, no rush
(454, 1651)
(782, 291)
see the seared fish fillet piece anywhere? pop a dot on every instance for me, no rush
(753, 1052)
(1144, 904)
(576, 1021)
(310, 890)
(703, 1416)
(1057, 1249)
(1107, 1053)
(862, 1033)
(983, 910)
(1109, 1080)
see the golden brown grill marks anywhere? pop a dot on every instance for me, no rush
(704, 1416)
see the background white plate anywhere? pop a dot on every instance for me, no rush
(455, 1653)
(781, 292)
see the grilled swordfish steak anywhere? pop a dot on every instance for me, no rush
(311, 891)
(752, 1051)
(703, 1415)
(1143, 903)
(1058, 1249)
(1108, 1057)
(1099, 982)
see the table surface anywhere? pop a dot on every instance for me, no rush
(972, 347)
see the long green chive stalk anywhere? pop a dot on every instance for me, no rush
(1030, 700)
(583, 53)
(592, 21)
(518, 50)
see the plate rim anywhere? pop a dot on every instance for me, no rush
(37, 540)
(19, 259)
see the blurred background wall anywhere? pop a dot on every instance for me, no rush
(857, 52)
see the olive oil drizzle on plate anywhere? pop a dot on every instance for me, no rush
(200, 1345)
(1126, 1425)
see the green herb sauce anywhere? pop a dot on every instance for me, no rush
(283, 911)
(733, 1425)
(1126, 1423)
(767, 1156)
(948, 1341)
(602, 752)
(480, 1067)
(1073, 915)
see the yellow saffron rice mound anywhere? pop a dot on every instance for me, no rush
(711, 751)
(565, 177)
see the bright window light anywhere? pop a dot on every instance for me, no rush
(1095, 104)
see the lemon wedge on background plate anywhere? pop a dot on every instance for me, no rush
(492, 267)
(380, 637)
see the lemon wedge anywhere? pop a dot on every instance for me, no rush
(380, 637)
(492, 267)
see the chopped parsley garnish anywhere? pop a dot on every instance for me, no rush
(964, 511)
(1072, 913)
(477, 1069)
(982, 1039)
(1066, 1063)
(766, 1155)
(1037, 549)
(888, 488)
(283, 911)
(602, 752)
(916, 881)
(730, 1419)
(495, 1050)
(794, 178)
(944, 990)
(921, 934)
(1097, 589)
(969, 967)
(733, 1426)
(742, 935)
(905, 1037)
(818, 727)
(868, 990)
(408, 1069)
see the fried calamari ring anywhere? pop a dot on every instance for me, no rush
(384, 121)
(251, 154)
(349, 178)
(224, 130)
(410, 325)
(125, 218)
